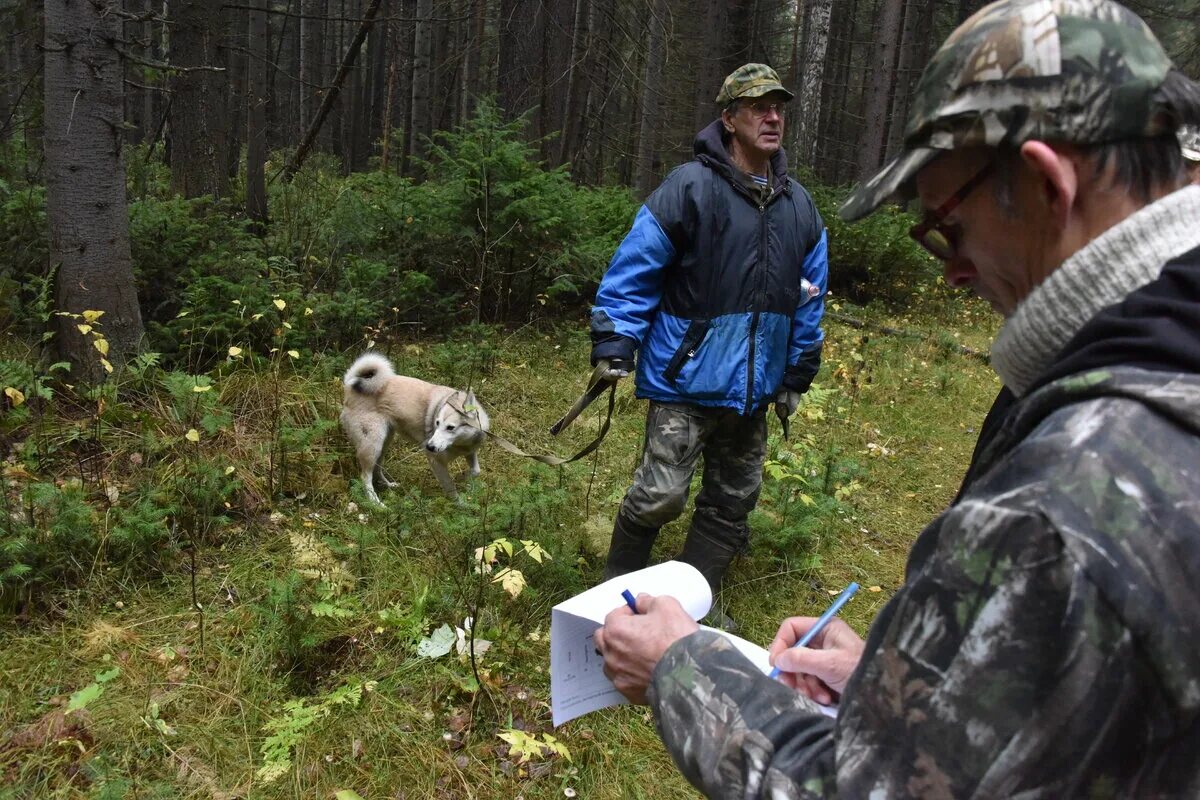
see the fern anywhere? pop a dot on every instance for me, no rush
(291, 728)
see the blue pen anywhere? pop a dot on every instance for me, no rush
(629, 599)
(823, 620)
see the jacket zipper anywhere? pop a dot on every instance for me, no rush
(760, 268)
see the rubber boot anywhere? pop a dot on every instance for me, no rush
(711, 546)
(629, 549)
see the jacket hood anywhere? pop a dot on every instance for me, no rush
(1154, 328)
(1147, 347)
(709, 148)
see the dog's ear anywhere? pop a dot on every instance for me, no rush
(470, 405)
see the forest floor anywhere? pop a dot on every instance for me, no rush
(301, 673)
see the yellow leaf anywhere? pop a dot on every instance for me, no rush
(192, 435)
(256, 317)
(230, 470)
(107, 366)
(235, 351)
(287, 325)
(510, 580)
(199, 389)
(294, 353)
(84, 329)
(15, 395)
(280, 304)
(874, 588)
(101, 345)
(833, 591)
(520, 745)
(92, 316)
(308, 312)
(182, 314)
(237, 302)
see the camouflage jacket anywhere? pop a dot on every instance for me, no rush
(1046, 643)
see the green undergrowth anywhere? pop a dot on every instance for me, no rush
(197, 601)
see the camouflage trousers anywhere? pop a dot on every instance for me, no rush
(733, 448)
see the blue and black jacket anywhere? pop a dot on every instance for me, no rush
(707, 286)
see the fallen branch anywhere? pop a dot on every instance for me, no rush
(334, 89)
(961, 349)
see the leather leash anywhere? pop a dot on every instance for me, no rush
(596, 386)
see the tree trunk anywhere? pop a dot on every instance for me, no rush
(198, 122)
(311, 59)
(709, 72)
(295, 122)
(881, 79)
(85, 184)
(473, 74)
(913, 45)
(807, 111)
(403, 112)
(651, 87)
(256, 114)
(574, 96)
(834, 91)
(376, 94)
(520, 77)
(589, 158)
(237, 63)
(310, 136)
(422, 79)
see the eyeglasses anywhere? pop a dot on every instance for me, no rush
(760, 108)
(940, 240)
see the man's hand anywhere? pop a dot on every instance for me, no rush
(617, 368)
(632, 644)
(821, 669)
(786, 401)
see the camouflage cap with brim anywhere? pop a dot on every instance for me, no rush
(1078, 71)
(750, 80)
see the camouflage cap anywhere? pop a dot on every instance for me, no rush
(1081, 71)
(750, 80)
(1189, 142)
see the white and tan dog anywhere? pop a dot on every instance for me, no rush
(447, 423)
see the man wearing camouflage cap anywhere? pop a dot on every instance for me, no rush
(1046, 641)
(713, 290)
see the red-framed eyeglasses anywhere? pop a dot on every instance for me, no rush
(940, 240)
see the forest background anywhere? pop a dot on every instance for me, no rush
(207, 209)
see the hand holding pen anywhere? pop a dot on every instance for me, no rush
(822, 666)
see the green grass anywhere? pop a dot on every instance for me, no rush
(901, 418)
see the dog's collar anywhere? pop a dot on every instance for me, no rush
(445, 401)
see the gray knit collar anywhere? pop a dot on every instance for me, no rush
(1119, 261)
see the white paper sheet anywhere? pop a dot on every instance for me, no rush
(577, 682)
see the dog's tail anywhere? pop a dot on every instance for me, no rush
(368, 374)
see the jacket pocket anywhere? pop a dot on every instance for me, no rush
(692, 338)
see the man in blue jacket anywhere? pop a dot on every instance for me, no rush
(716, 293)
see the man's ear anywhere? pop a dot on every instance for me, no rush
(1057, 176)
(727, 120)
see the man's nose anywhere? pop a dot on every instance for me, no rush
(959, 271)
(773, 113)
